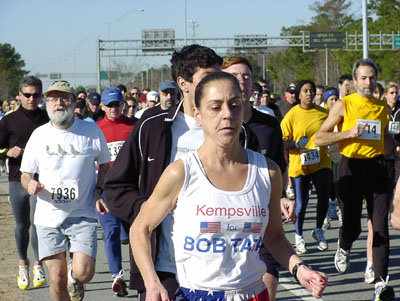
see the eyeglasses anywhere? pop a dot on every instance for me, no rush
(114, 104)
(171, 92)
(132, 106)
(65, 99)
(29, 95)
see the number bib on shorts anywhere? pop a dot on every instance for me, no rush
(310, 156)
(394, 127)
(114, 148)
(372, 130)
(64, 193)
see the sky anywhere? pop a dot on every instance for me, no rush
(56, 36)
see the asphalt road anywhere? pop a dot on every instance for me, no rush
(348, 286)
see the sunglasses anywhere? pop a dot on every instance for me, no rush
(171, 92)
(114, 104)
(29, 95)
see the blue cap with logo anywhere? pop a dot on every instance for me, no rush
(111, 94)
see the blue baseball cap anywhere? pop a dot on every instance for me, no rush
(167, 84)
(111, 94)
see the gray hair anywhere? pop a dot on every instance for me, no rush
(31, 81)
(364, 62)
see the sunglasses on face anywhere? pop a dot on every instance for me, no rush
(114, 104)
(29, 95)
(171, 92)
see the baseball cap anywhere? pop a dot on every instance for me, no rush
(94, 98)
(152, 96)
(143, 97)
(167, 84)
(110, 95)
(61, 86)
(291, 89)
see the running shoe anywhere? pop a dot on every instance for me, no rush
(39, 278)
(318, 235)
(369, 275)
(300, 245)
(290, 192)
(332, 210)
(119, 285)
(23, 277)
(383, 292)
(327, 223)
(76, 290)
(342, 260)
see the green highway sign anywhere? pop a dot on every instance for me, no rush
(326, 40)
(396, 41)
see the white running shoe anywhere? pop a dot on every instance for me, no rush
(23, 277)
(300, 245)
(39, 278)
(383, 292)
(318, 235)
(342, 260)
(119, 285)
(327, 223)
(369, 275)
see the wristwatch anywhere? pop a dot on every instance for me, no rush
(296, 267)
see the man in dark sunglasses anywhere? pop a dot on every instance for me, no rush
(15, 130)
(168, 94)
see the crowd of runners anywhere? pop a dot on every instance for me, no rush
(198, 177)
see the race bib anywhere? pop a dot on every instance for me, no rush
(394, 127)
(65, 192)
(310, 156)
(114, 148)
(372, 130)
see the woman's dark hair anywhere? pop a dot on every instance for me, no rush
(299, 85)
(200, 89)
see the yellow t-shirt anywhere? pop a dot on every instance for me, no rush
(296, 124)
(364, 110)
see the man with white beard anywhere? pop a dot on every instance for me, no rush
(65, 153)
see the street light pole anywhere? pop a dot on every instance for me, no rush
(365, 31)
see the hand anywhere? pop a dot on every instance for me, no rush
(314, 281)
(302, 142)
(34, 187)
(102, 207)
(358, 130)
(15, 152)
(157, 293)
(288, 209)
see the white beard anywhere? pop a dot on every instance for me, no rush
(61, 118)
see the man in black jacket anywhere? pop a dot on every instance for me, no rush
(15, 130)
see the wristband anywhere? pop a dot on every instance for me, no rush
(295, 269)
(284, 195)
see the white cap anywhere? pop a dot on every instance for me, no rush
(152, 96)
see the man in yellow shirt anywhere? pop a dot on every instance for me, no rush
(362, 121)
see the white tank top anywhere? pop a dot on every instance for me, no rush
(217, 234)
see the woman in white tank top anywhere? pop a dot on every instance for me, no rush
(225, 202)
